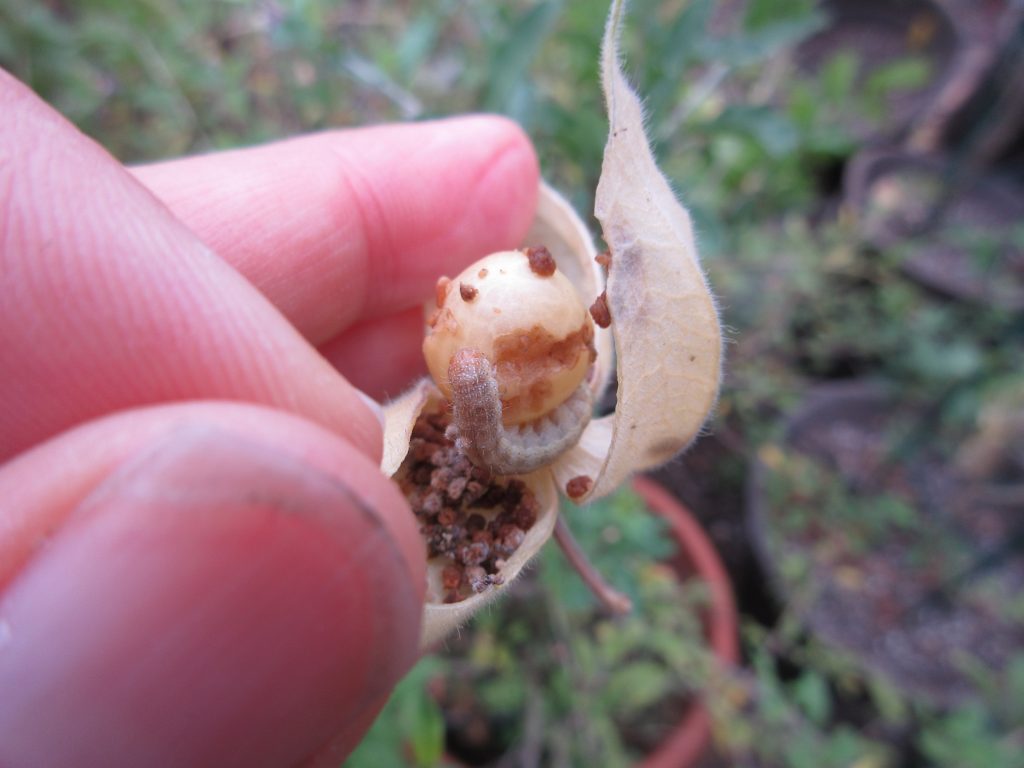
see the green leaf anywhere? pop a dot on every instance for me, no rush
(685, 34)
(839, 75)
(1015, 689)
(772, 131)
(512, 58)
(417, 42)
(756, 46)
(426, 733)
(811, 694)
(412, 719)
(637, 685)
(905, 74)
(892, 706)
(504, 694)
(762, 13)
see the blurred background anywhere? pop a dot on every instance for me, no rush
(854, 169)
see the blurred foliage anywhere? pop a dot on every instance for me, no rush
(409, 730)
(756, 146)
(547, 676)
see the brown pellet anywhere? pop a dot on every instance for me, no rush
(451, 576)
(578, 486)
(432, 503)
(599, 311)
(541, 261)
(447, 516)
(442, 487)
(456, 488)
(475, 553)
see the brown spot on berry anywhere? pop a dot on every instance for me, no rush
(441, 291)
(467, 292)
(604, 259)
(541, 261)
(482, 273)
(599, 311)
(579, 486)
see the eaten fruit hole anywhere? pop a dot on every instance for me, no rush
(471, 522)
(530, 362)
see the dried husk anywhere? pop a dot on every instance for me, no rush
(556, 226)
(440, 618)
(664, 323)
(400, 417)
(667, 335)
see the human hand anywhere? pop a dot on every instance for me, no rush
(200, 563)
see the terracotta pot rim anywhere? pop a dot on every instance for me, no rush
(689, 740)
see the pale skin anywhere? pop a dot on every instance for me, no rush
(200, 563)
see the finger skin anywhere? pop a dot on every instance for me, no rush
(40, 487)
(349, 225)
(333, 754)
(108, 302)
(226, 585)
(381, 357)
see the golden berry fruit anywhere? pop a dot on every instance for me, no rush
(530, 324)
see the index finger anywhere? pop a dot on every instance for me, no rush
(343, 226)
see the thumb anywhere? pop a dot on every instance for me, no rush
(212, 600)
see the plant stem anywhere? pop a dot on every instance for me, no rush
(614, 601)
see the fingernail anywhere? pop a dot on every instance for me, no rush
(215, 602)
(373, 405)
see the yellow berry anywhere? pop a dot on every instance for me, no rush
(526, 319)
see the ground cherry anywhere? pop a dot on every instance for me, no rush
(526, 319)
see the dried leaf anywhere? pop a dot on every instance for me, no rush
(667, 335)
